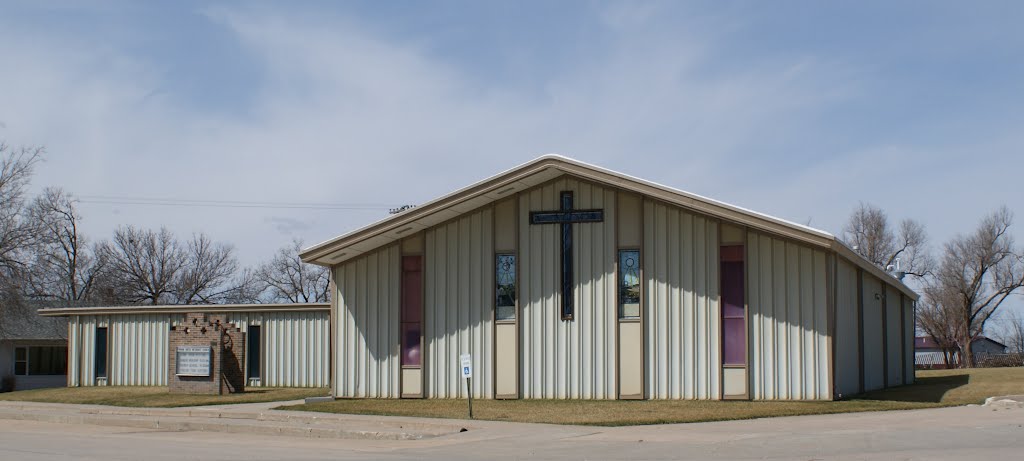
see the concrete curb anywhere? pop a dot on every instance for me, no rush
(1005, 401)
(266, 423)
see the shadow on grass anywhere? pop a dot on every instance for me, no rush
(929, 389)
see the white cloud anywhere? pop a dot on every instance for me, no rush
(343, 113)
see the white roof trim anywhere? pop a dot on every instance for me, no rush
(184, 308)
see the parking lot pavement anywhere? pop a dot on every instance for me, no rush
(973, 433)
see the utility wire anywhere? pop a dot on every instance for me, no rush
(152, 201)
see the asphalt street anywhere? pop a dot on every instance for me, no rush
(962, 433)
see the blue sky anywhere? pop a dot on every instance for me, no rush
(796, 109)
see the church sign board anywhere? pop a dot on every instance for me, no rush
(193, 360)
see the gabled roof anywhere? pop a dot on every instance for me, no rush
(548, 167)
(35, 327)
(927, 342)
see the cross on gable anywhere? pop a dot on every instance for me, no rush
(566, 216)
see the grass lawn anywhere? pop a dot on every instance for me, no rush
(932, 389)
(155, 396)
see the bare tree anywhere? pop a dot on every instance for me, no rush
(145, 264)
(871, 236)
(937, 317)
(206, 271)
(976, 274)
(1012, 333)
(289, 279)
(16, 234)
(64, 268)
(246, 288)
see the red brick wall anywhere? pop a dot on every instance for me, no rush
(227, 344)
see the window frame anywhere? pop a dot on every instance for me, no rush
(27, 362)
(404, 324)
(258, 347)
(105, 356)
(23, 361)
(726, 318)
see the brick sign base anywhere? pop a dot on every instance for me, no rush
(227, 352)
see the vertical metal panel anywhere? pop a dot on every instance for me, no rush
(874, 370)
(568, 359)
(894, 333)
(820, 333)
(74, 351)
(788, 314)
(680, 258)
(908, 345)
(459, 285)
(87, 355)
(295, 346)
(138, 349)
(362, 351)
(847, 340)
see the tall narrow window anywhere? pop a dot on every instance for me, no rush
(505, 287)
(252, 352)
(734, 331)
(101, 352)
(412, 308)
(629, 284)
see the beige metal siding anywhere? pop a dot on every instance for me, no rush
(568, 359)
(295, 346)
(368, 296)
(76, 337)
(682, 311)
(788, 308)
(680, 261)
(894, 333)
(847, 341)
(81, 338)
(459, 286)
(874, 360)
(908, 339)
(138, 349)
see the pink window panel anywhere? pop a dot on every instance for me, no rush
(412, 310)
(734, 332)
(411, 344)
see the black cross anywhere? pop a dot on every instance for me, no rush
(566, 216)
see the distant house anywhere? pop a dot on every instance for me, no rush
(928, 353)
(34, 355)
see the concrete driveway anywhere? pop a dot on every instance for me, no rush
(962, 433)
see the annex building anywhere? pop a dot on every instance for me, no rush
(286, 345)
(564, 280)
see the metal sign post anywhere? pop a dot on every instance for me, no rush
(466, 363)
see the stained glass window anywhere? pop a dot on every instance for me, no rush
(505, 287)
(629, 284)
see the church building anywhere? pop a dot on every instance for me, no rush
(564, 280)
